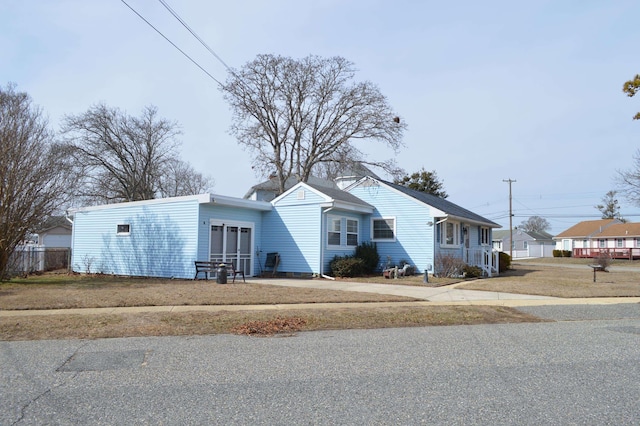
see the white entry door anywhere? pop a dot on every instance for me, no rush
(232, 242)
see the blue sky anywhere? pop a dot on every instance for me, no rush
(493, 90)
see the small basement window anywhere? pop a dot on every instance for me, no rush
(123, 229)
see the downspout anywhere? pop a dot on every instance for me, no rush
(323, 218)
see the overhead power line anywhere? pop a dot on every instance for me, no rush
(184, 24)
(172, 43)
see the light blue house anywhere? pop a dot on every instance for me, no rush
(307, 225)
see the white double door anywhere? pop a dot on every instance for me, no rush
(232, 242)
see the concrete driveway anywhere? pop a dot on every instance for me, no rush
(446, 294)
(433, 294)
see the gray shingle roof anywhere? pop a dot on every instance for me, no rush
(441, 204)
(339, 195)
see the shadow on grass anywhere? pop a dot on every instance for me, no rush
(517, 271)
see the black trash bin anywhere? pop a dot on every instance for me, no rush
(221, 274)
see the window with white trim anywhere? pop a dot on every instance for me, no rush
(602, 243)
(333, 234)
(484, 236)
(450, 233)
(123, 229)
(619, 242)
(352, 232)
(342, 231)
(383, 229)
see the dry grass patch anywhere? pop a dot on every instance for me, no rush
(206, 323)
(73, 291)
(559, 281)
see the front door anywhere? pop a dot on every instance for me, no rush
(232, 242)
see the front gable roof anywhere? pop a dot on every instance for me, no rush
(587, 228)
(332, 197)
(446, 207)
(54, 222)
(273, 185)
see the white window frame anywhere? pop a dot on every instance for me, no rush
(351, 233)
(385, 219)
(484, 236)
(602, 243)
(619, 242)
(444, 234)
(339, 225)
(332, 230)
(127, 232)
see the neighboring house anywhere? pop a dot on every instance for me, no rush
(46, 249)
(581, 234)
(55, 233)
(307, 226)
(616, 239)
(525, 243)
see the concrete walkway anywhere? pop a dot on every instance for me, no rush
(430, 296)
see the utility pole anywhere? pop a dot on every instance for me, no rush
(510, 181)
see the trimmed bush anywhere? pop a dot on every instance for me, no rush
(368, 252)
(347, 267)
(505, 262)
(562, 253)
(472, 271)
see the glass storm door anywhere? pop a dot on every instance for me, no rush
(232, 243)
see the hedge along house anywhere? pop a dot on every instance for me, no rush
(308, 226)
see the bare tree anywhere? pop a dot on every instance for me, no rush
(180, 178)
(296, 115)
(127, 158)
(535, 224)
(628, 181)
(35, 175)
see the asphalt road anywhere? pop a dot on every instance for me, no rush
(582, 369)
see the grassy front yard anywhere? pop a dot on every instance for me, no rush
(57, 291)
